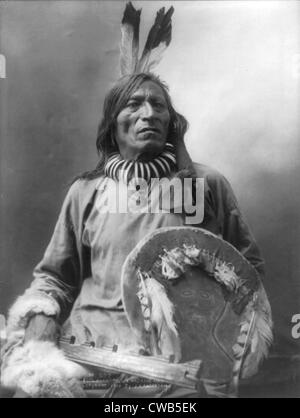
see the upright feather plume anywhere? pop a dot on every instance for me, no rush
(158, 40)
(129, 48)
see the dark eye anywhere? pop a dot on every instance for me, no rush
(159, 106)
(133, 104)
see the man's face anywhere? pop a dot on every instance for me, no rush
(142, 126)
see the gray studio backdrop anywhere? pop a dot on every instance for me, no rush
(234, 72)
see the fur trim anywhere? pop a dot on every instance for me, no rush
(175, 262)
(225, 274)
(40, 369)
(28, 305)
(32, 302)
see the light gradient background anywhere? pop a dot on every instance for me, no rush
(233, 70)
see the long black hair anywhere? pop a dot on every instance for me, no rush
(114, 102)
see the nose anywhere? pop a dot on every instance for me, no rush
(147, 110)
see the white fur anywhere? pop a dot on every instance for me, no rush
(28, 304)
(225, 274)
(40, 369)
(21, 311)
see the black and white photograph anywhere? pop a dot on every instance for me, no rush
(149, 217)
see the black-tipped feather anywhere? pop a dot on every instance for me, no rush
(129, 47)
(158, 40)
(161, 30)
(132, 17)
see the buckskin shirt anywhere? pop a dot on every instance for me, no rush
(89, 247)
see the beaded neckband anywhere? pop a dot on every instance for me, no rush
(162, 166)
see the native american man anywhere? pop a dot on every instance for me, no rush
(77, 283)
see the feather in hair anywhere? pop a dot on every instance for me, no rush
(129, 47)
(158, 40)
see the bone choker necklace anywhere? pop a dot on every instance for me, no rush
(162, 166)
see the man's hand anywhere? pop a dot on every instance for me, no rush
(42, 328)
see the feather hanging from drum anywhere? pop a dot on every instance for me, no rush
(255, 338)
(255, 335)
(158, 313)
(162, 308)
(222, 314)
(158, 40)
(257, 326)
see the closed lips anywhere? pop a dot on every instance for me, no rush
(149, 129)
